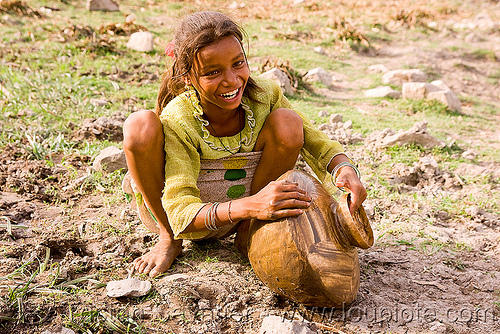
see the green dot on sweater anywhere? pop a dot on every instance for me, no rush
(236, 191)
(235, 174)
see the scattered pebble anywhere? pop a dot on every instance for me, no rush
(130, 287)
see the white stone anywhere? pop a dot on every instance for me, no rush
(484, 22)
(320, 50)
(319, 75)
(438, 328)
(110, 159)
(382, 91)
(323, 113)
(335, 118)
(174, 278)
(448, 98)
(141, 41)
(236, 5)
(281, 78)
(416, 135)
(398, 77)
(130, 287)
(470, 154)
(278, 325)
(98, 102)
(417, 90)
(440, 84)
(4, 91)
(348, 125)
(102, 5)
(131, 18)
(378, 68)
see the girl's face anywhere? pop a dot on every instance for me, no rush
(220, 73)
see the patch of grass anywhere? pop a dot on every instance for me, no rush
(481, 54)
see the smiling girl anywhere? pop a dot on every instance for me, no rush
(206, 162)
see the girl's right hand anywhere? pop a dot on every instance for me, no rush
(279, 199)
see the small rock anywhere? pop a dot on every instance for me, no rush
(470, 154)
(236, 5)
(131, 18)
(484, 22)
(204, 304)
(174, 278)
(382, 91)
(335, 118)
(417, 90)
(474, 211)
(62, 330)
(130, 287)
(281, 78)
(416, 135)
(323, 113)
(102, 5)
(141, 41)
(369, 209)
(4, 91)
(278, 325)
(398, 77)
(348, 125)
(99, 102)
(438, 328)
(111, 159)
(319, 75)
(432, 25)
(472, 38)
(378, 68)
(320, 50)
(448, 98)
(441, 85)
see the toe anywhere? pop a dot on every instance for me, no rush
(154, 272)
(148, 268)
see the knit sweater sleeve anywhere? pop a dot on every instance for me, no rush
(181, 197)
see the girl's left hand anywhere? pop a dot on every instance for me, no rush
(347, 178)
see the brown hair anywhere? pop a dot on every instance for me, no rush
(193, 33)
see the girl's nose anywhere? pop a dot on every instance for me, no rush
(230, 78)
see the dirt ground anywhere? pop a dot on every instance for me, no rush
(430, 271)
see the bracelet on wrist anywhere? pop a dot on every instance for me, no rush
(337, 168)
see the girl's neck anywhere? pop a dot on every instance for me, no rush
(226, 124)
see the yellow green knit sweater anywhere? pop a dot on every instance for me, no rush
(187, 141)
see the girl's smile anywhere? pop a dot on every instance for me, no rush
(220, 74)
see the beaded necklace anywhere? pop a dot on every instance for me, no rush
(216, 135)
(245, 140)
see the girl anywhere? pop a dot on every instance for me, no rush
(206, 161)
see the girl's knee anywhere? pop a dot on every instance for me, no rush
(287, 128)
(141, 130)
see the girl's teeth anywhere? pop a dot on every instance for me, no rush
(230, 95)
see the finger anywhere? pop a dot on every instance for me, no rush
(287, 213)
(292, 203)
(289, 187)
(358, 195)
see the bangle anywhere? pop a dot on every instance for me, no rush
(211, 217)
(338, 167)
(229, 212)
(340, 153)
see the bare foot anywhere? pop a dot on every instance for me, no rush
(241, 240)
(159, 258)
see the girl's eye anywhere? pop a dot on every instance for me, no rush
(211, 73)
(239, 63)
